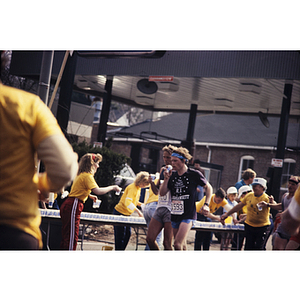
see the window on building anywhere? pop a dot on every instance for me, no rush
(246, 162)
(213, 173)
(288, 169)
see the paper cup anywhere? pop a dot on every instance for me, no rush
(169, 167)
(51, 200)
(118, 192)
(97, 203)
(259, 207)
(64, 194)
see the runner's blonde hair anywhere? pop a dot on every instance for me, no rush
(142, 178)
(168, 148)
(86, 162)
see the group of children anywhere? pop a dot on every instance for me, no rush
(225, 200)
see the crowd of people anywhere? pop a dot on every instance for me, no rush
(176, 205)
(176, 199)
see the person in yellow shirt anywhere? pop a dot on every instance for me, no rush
(126, 206)
(257, 219)
(28, 132)
(203, 238)
(81, 190)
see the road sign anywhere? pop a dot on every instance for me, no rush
(277, 162)
(97, 144)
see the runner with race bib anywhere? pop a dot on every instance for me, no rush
(182, 184)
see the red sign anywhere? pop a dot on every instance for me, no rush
(97, 144)
(161, 78)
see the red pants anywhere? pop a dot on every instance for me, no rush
(70, 212)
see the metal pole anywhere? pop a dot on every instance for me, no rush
(101, 136)
(65, 95)
(282, 134)
(45, 75)
(43, 89)
(189, 142)
(59, 77)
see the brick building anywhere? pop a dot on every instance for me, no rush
(225, 145)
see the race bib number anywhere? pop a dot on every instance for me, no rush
(177, 207)
(165, 200)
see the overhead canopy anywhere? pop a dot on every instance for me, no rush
(222, 95)
(239, 82)
(235, 82)
(216, 81)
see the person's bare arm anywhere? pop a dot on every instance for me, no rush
(105, 190)
(208, 192)
(231, 211)
(164, 187)
(60, 163)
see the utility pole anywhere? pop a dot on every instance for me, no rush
(281, 142)
(45, 75)
(65, 94)
(105, 110)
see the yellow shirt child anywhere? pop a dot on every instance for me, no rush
(131, 196)
(255, 217)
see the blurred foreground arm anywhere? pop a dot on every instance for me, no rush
(290, 218)
(60, 163)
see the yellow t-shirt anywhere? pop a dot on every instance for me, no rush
(130, 195)
(25, 121)
(82, 186)
(212, 205)
(242, 211)
(255, 217)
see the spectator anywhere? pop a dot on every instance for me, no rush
(203, 238)
(247, 178)
(126, 206)
(28, 131)
(183, 187)
(257, 219)
(81, 189)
